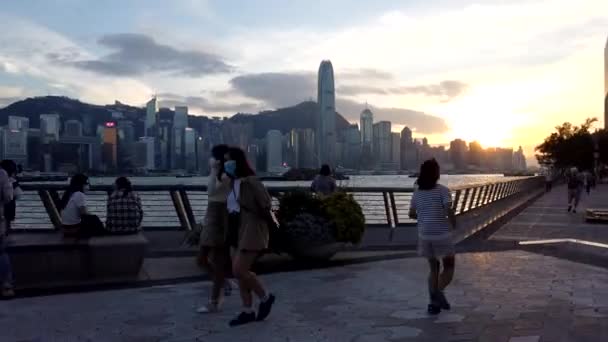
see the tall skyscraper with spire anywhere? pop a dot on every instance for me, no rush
(326, 121)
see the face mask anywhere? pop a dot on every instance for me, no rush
(230, 168)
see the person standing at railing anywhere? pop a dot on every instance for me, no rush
(324, 184)
(249, 206)
(431, 205)
(124, 212)
(214, 253)
(6, 271)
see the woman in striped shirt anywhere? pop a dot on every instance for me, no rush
(431, 205)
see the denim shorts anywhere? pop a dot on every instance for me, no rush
(436, 249)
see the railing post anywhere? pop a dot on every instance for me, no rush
(51, 209)
(387, 209)
(492, 194)
(482, 192)
(472, 202)
(501, 192)
(394, 208)
(187, 207)
(179, 209)
(456, 200)
(463, 207)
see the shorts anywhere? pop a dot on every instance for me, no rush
(436, 249)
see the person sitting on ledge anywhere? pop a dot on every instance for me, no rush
(76, 220)
(124, 209)
(324, 184)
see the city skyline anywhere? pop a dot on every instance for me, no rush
(465, 69)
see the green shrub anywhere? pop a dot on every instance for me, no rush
(310, 230)
(293, 203)
(346, 217)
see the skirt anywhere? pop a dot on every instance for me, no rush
(436, 249)
(213, 233)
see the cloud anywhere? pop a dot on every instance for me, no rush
(203, 103)
(446, 90)
(286, 89)
(138, 54)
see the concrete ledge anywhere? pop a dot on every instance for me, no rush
(47, 259)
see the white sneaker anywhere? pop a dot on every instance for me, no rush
(209, 308)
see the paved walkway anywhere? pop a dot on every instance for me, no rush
(516, 295)
(548, 218)
(501, 296)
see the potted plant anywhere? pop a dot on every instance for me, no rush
(316, 228)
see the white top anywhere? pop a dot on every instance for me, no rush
(233, 198)
(71, 213)
(430, 206)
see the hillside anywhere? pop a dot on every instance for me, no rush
(283, 119)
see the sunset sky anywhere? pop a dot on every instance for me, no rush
(501, 72)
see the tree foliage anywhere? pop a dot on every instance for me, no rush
(570, 146)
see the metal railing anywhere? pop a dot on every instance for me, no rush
(183, 206)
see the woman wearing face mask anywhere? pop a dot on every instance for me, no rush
(249, 206)
(214, 253)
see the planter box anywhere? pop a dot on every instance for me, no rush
(318, 252)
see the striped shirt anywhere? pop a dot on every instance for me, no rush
(430, 207)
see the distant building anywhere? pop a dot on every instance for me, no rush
(144, 154)
(274, 151)
(151, 115)
(352, 142)
(458, 154)
(476, 154)
(519, 160)
(110, 146)
(382, 144)
(50, 125)
(76, 154)
(126, 144)
(72, 128)
(34, 149)
(14, 145)
(180, 120)
(302, 147)
(326, 121)
(367, 138)
(396, 149)
(18, 123)
(253, 152)
(409, 151)
(190, 149)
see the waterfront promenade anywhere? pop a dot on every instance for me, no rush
(502, 292)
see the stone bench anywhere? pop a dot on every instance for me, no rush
(49, 259)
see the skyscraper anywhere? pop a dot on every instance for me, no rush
(180, 120)
(382, 143)
(274, 151)
(396, 149)
(352, 142)
(49, 127)
(151, 115)
(110, 145)
(190, 149)
(326, 122)
(367, 138)
(409, 150)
